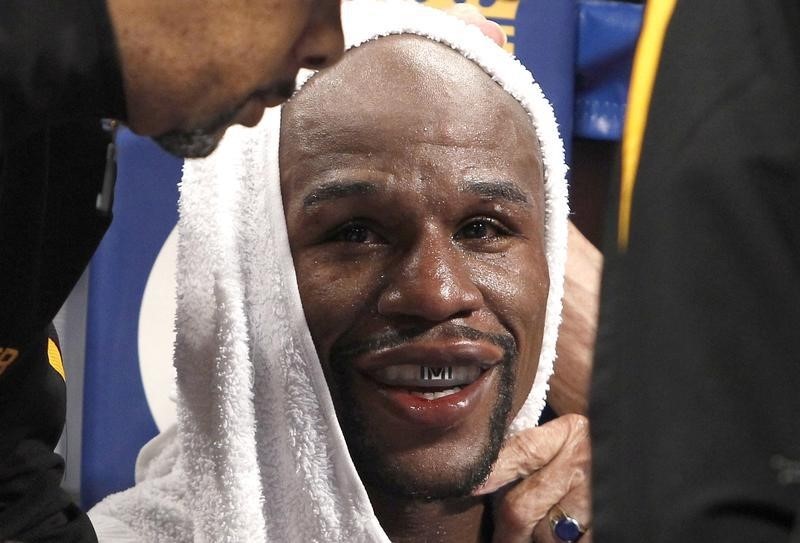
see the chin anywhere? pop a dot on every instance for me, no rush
(189, 144)
(398, 459)
(437, 479)
(436, 468)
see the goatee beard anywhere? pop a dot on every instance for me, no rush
(370, 457)
(189, 144)
(197, 142)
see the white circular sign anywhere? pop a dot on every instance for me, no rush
(156, 339)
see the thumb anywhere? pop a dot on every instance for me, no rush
(527, 452)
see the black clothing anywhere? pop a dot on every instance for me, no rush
(57, 62)
(696, 389)
(32, 505)
(58, 76)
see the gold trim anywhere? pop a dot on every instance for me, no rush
(54, 357)
(645, 64)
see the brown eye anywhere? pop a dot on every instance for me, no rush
(356, 233)
(481, 229)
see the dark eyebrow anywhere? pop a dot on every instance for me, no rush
(338, 189)
(496, 190)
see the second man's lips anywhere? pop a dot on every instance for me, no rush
(275, 94)
(271, 96)
(251, 113)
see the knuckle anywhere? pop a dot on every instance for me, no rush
(578, 428)
(579, 477)
(579, 424)
(524, 445)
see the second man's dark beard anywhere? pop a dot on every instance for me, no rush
(201, 142)
(191, 144)
(197, 142)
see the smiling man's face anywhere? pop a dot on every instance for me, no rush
(412, 186)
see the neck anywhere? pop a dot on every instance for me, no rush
(461, 520)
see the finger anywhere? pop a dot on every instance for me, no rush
(544, 534)
(530, 450)
(494, 31)
(526, 508)
(519, 511)
(470, 14)
(576, 504)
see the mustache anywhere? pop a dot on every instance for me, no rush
(350, 349)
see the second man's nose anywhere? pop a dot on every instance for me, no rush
(322, 41)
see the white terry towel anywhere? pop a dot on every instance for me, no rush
(259, 454)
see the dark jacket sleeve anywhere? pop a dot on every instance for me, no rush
(49, 228)
(695, 390)
(58, 77)
(33, 507)
(57, 61)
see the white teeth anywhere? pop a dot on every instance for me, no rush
(435, 395)
(417, 375)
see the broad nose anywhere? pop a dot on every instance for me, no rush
(433, 282)
(322, 41)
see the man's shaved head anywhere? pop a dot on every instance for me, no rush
(413, 191)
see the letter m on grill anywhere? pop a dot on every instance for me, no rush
(436, 374)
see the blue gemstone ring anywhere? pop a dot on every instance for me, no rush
(565, 528)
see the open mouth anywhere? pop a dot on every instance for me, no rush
(434, 384)
(434, 396)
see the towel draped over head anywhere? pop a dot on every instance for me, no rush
(258, 454)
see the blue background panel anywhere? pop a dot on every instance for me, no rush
(116, 418)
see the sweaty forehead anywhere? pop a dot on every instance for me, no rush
(400, 87)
